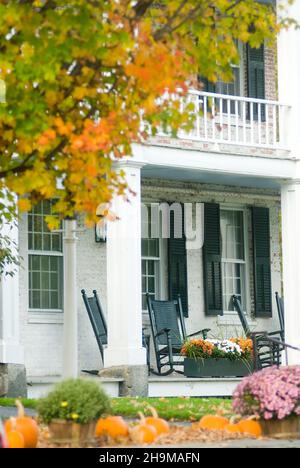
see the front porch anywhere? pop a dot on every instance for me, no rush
(156, 178)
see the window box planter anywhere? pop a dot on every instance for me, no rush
(206, 368)
(288, 428)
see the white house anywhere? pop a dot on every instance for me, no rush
(242, 165)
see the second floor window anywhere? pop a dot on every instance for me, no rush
(45, 261)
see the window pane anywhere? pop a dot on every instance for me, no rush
(151, 285)
(37, 242)
(232, 232)
(45, 281)
(145, 252)
(36, 300)
(151, 268)
(47, 242)
(233, 283)
(35, 262)
(36, 281)
(45, 300)
(54, 281)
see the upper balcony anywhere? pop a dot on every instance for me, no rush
(233, 123)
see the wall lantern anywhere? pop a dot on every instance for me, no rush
(101, 231)
(101, 225)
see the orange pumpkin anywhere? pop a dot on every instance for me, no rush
(25, 425)
(213, 423)
(15, 440)
(144, 433)
(161, 426)
(250, 427)
(233, 428)
(113, 426)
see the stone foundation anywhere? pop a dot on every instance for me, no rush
(3, 380)
(135, 379)
(13, 382)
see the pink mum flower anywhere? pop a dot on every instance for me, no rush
(269, 394)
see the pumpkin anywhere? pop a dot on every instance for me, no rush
(25, 425)
(161, 426)
(15, 440)
(144, 433)
(113, 426)
(213, 423)
(233, 428)
(250, 427)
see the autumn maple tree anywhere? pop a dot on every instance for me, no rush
(81, 74)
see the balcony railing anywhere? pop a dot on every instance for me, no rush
(237, 120)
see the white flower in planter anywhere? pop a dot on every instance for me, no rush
(226, 346)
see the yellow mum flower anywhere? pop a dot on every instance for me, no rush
(64, 404)
(74, 416)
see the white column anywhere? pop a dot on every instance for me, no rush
(11, 351)
(288, 76)
(70, 334)
(124, 303)
(290, 196)
(289, 93)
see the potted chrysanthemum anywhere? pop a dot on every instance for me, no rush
(273, 396)
(218, 358)
(71, 410)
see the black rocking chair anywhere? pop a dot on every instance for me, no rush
(169, 333)
(267, 351)
(280, 308)
(98, 321)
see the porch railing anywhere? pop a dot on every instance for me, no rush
(237, 120)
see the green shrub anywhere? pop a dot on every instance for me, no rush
(76, 400)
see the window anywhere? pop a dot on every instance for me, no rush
(151, 249)
(45, 261)
(233, 257)
(233, 88)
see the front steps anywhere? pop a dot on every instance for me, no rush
(171, 386)
(178, 386)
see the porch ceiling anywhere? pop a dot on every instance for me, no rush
(206, 177)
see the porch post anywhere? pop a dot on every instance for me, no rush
(288, 77)
(124, 304)
(290, 196)
(70, 333)
(289, 93)
(11, 351)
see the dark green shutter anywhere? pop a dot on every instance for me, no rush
(256, 77)
(178, 282)
(208, 86)
(212, 256)
(262, 262)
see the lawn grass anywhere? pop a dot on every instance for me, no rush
(177, 409)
